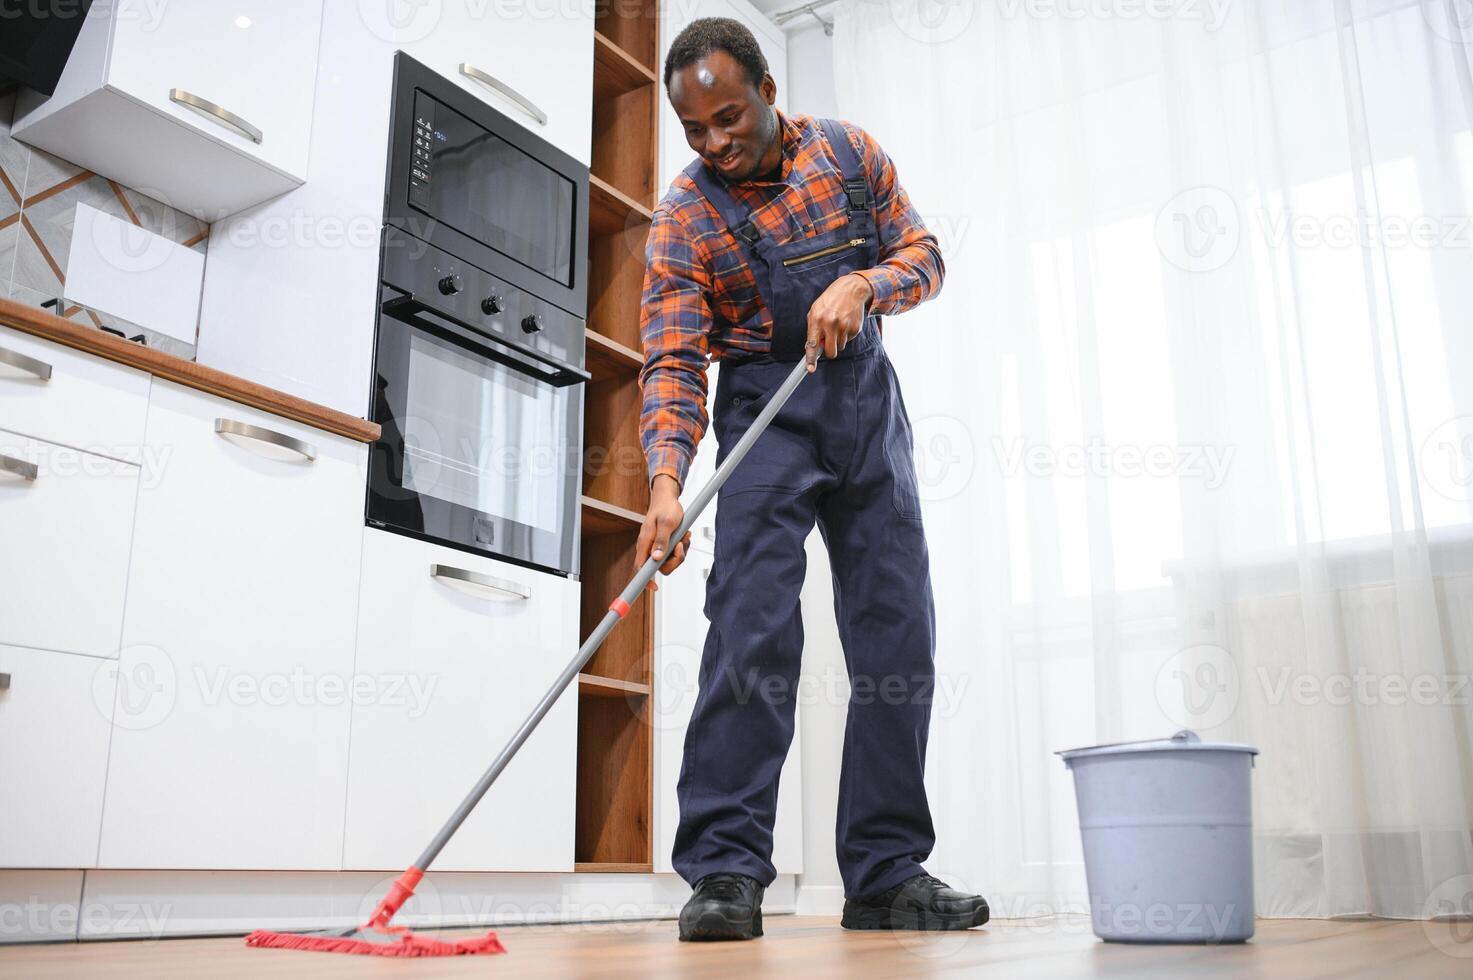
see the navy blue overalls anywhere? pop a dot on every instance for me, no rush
(839, 452)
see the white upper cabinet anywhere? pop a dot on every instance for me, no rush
(206, 106)
(532, 60)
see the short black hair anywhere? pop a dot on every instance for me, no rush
(707, 34)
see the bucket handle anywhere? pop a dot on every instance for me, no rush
(1184, 737)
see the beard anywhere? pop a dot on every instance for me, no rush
(767, 135)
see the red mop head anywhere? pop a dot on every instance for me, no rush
(376, 937)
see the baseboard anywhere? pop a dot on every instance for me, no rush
(820, 899)
(52, 906)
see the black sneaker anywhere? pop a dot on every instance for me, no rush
(723, 906)
(922, 902)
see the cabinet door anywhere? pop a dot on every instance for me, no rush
(231, 742)
(541, 49)
(66, 518)
(256, 59)
(470, 659)
(64, 396)
(55, 710)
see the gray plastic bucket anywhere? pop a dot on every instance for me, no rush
(1168, 839)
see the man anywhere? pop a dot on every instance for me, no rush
(787, 238)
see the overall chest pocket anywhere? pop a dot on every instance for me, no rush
(803, 270)
(820, 256)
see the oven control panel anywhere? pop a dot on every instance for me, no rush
(475, 299)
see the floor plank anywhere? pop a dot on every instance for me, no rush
(802, 946)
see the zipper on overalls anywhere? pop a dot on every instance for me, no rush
(800, 259)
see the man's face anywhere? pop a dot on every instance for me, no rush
(727, 120)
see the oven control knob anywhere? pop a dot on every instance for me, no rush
(493, 304)
(451, 284)
(532, 322)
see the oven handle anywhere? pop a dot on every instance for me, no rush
(410, 310)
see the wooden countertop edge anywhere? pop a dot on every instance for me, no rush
(48, 326)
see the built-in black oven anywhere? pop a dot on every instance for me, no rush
(478, 368)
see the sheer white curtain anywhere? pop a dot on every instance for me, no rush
(1194, 416)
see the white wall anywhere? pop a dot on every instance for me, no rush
(811, 70)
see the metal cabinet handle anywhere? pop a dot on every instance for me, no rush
(231, 427)
(29, 365)
(458, 576)
(217, 113)
(18, 467)
(4, 682)
(491, 82)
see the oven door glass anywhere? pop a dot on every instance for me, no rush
(466, 177)
(475, 454)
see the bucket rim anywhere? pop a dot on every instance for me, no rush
(1182, 741)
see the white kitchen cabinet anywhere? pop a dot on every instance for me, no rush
(231, 741)
(64, 396)
(55, 714)
(532, 60)
(66, 521)
(468, 660)
(206, 106)
(291, 285)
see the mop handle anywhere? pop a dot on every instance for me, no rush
(617, 610)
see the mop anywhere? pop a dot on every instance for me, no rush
(377, 936)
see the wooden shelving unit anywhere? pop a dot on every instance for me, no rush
(615, 748)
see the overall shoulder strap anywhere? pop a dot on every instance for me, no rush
(738, 219)
(856, 185)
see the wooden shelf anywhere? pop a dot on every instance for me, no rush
(608, 687)
(611, 211)
(610, 360)
(634, 32)
(615, 71)
(613, 867)
(615, 817)
(615, 781)
(600, 518)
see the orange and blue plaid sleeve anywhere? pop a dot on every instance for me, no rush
(675, 318)
(910, 269)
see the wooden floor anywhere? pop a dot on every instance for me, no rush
(797, 946)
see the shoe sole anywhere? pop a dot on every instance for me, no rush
(714, 927)
(896, 919)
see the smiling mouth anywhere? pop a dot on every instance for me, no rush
(728, 161)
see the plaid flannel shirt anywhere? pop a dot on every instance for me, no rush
(700, 298)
